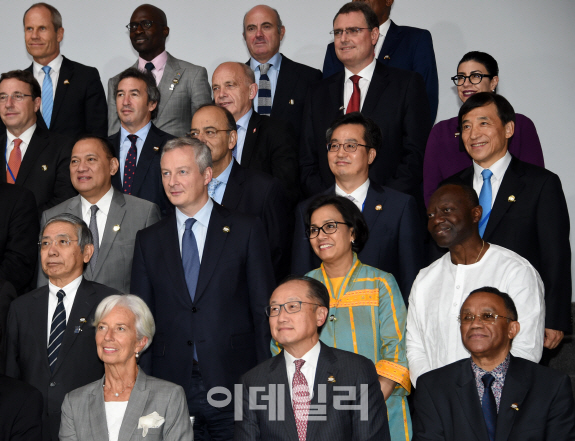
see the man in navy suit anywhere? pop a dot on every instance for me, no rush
(398, 46)
(396, 235)
(287, 81)
(139, 142)
(206, 275)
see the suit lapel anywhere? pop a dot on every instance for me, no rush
(135, 409)
(171, 70)
(39, 324)
(375, 198)
(377, 86)
(38, 143)
(147, 155)
(278, 375)
(98, 422)
(251, 139)
(392, 39)
(66, 74)
(336, 96)
(3, 141)
(115, 140)
(286, 83)
(469, 401)
(517, 385)
(115, 217)
(234, 187)
(75, 208)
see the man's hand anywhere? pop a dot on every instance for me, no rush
(387, 386)
(552, 339)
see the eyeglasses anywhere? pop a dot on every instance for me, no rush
(474, 78)
(210, 133)
(146, 24)
(327, 228)
(14, 96)
(486, 317)
(289, 307)
(349, 147)
(58, 243)
(353, 32)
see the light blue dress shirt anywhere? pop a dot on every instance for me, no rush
(200, 227)
(273, 74)
(242, 124)
(223, 178)
(125, 144)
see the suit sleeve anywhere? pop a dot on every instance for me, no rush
(27, 426)
(67, 427)
(113, 120)
(561, 416)
(424, 63)
(201, 91)
(153, 215)
(427, 420)
(284, 162)
(63, 188)
(247, 429)
(310, 177)
(331, 63)
(416, 354)
(96, 111)
(177, 426)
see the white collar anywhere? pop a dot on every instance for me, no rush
(55, 64)
(26, 136)
(365, 73)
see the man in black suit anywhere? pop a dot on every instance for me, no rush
(264, 143)
(206, 275)
(395, 99)
(50, 342)
(20, 411)
(285, 83)
(282, 408)
(525, 210)
(241, 189)
(493, 395)
(396, 237)
(139, 142)
(37, 159)
(73, 99)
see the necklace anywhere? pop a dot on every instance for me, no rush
(480, 251)
(117, 394)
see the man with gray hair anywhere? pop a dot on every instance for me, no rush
(206, 274)
(50, 342)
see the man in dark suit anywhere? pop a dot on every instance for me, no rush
(20, 411)
(396, 237)
(139, 142)
(493, 395)
(282, 408)
(403, 47)
(73, 99)
(395, 99)
(50, 342)
(264, 143)
(37, 159)
(206, 275)
(524, 208)
(285, 83)
(241, 189)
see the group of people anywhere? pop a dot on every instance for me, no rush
(253, 254)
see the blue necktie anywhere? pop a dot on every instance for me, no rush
(130, 165)
(149, 66)
(57, 329)
(235, 149)
(265, 91)
(489, 406)
(47, 96)
(191, 263)
(212, 187)
(485, 200)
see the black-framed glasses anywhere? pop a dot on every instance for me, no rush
(210, 133)
(485, 317)
(289, 307)
(14, 96)
(474, 78)
(146, 24)
(59, 243)
(349, 147)
(327, 228)
(352, 32)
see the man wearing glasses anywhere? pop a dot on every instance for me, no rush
(183, 86)
(493, 395)
(432, 337)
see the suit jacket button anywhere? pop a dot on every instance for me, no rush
(52, 384)
(190, 343)
(194, 309)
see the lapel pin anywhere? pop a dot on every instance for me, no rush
(226, 229)
(515, 407)
(292, 102)
(77, 329)
(44, 167)
(457, 134)
(83, 320)
(341, 108)
(378, 207)
(511, 198)
(254, 130)
(116, 228)
(330, 379)
(66, 82)
(156, 149)
(387, 57)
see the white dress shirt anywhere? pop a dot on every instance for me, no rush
(242, 125)
(382, 34)
(102, 213)
(433, 336)
(366, 74)
(308, 369)
(498, 169)
(200, 227)
(358, 195)
(125, 145)
(115, 411)
(25, 137)
(273, 74)
(70, 289)
(55, 65)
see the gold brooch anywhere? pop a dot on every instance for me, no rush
(116, 228)
(378, 207)
(330, 379)
(156, 149)
(387, 57)
(292, 102)
(457, 134)
(514, 406)
(66, 82)
(511, 198)
(226, 229)
(44, 167)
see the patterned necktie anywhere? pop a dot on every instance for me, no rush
(57, 329)
(265, 91)
(300, 400)
(235, 149)
(485, 200)
(130, 165)
(149, 66)
(14, 162)
(47, 96)
(489, 406)
(213, 186)
(355, 99)
(94, 229)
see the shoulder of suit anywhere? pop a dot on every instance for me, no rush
(258, 176)
(414, 31)
(275, 124)
(441, 376)
(62, 207)
(551, 375)
(88, 389)
(60, 141)
(101, 289)
(23, 301)
(234, 216)
(80, 67)
(534, 171)
(136, 203)
(182, 63)
(302, 69)
(161, 133)
(396, 73)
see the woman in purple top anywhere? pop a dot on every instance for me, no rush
(444, 156)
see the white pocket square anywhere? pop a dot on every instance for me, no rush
(151, 421)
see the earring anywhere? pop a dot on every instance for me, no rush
(137, 355)
(353, 241)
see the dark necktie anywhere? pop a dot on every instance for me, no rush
(485, 200)
(130, 165)
(47, 96)
(265, 91)
(355, 99)
(14, 162)
(94, 229)
(191, 263)
(57, 329)
(149, 66)
(300, 400)
(489, 406)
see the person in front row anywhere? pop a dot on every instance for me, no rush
(311, 375)
(493, 395)
(440, 289)
(125, 403)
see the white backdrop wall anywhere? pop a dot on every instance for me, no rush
(531, 40)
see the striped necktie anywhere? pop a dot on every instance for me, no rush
(47, 96)
(265, 91)
(57, 329)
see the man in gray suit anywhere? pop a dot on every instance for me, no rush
(114, 218)
(183, 86)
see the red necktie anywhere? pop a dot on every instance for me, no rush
(300, 400)
(130, 165)
(14, 161)
(353, 105)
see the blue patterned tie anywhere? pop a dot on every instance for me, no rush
(265, 91)
(130, 165)
(235, 149)
(191, 263)
(489, 406)
(57, 329)
(213, 186)
(47, 96)
(485, 200)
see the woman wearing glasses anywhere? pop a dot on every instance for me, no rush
(445, 154)
(367, 315)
